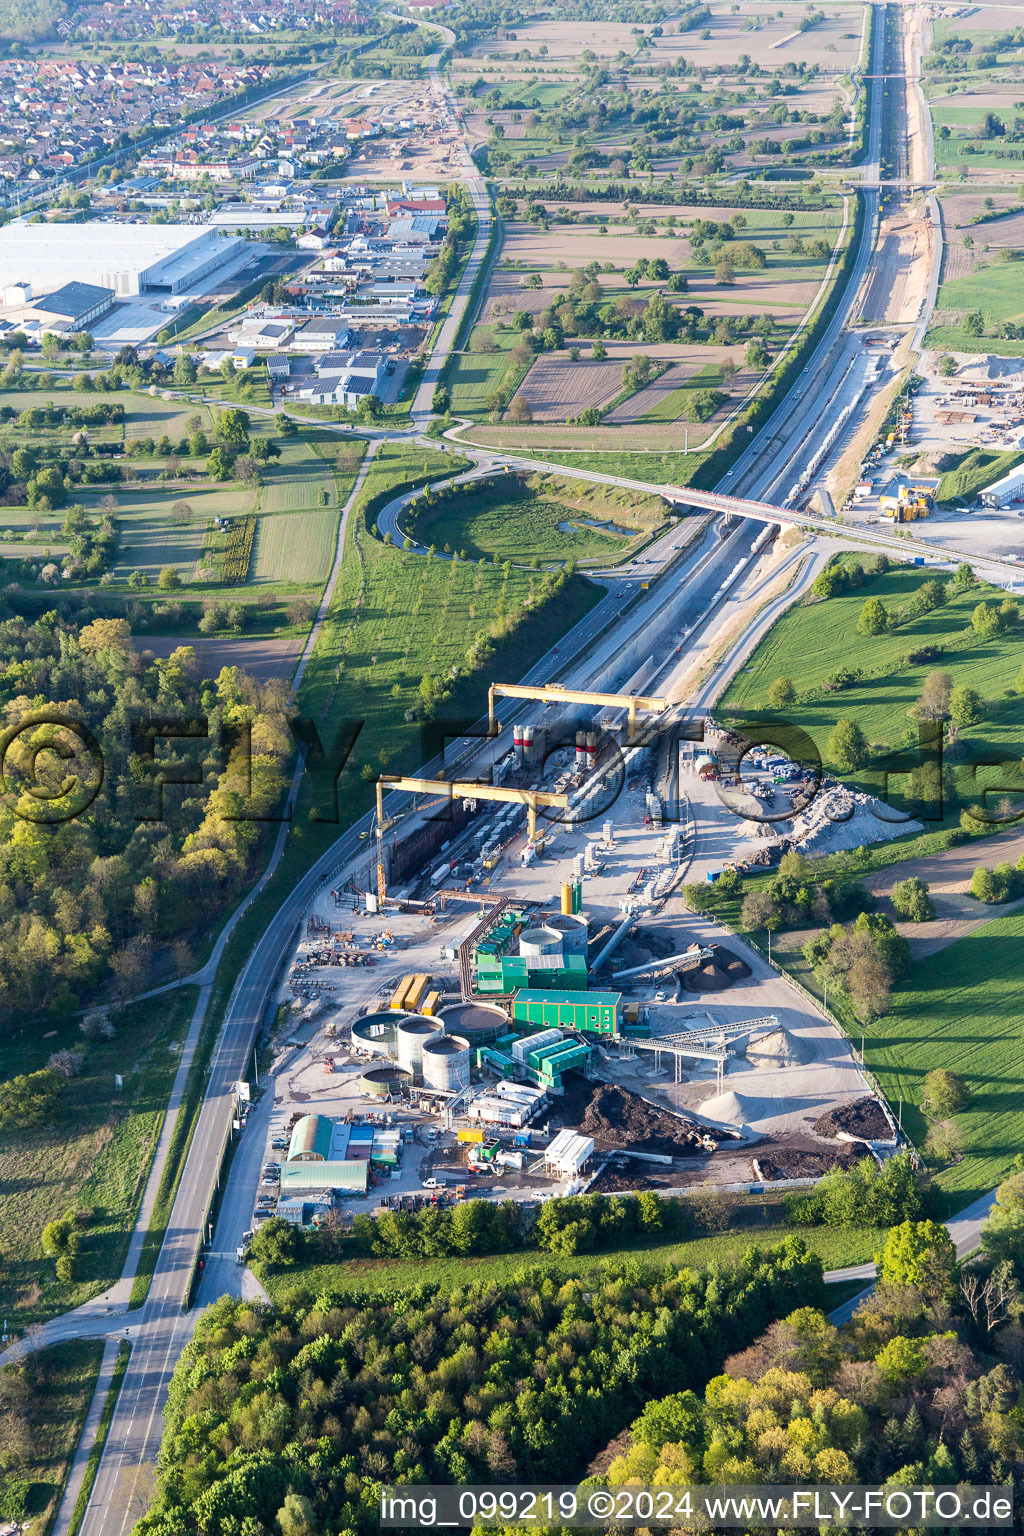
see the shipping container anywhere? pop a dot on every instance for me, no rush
(471, 1136)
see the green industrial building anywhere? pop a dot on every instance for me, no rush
(506, 973)
(592, 1013)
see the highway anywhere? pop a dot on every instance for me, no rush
(763, 475)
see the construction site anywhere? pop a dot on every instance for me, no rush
(508, 993)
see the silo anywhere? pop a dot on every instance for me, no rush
(446, 1063)
(573, 928)
(479, 1023)
(378, 1082)
(374, 1033)
(534, 942)
(411, 1035)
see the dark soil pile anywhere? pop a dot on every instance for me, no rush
(618, 1118)
(796, 1158)
(715, 975)
(864, 1117)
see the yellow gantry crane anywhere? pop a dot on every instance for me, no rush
(533, 799)
(554, 693)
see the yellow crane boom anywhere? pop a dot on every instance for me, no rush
(533, 799)
(554, 693)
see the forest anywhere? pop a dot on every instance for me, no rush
(293, 1418)
(104, 871)
(922, 1387)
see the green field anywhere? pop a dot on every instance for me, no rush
(650, 468)
(997, 290)
(671, 407)
(526, 522)
(357, 1277)
(149, 539)
(295, 547)
(96, 1156)
(475, 374)
(814, 639)
(962, 1009)
(295, 537)
(950, 338)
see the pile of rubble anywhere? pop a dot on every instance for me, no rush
(839, 818)
(616, 1117)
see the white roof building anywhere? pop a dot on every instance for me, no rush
(127, 258)
(569, 1153)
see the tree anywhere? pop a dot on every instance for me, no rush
(918, 1253)
(169, 578)
(945, 1093)
(599, 351)
(985, 887)
(105, 635)
(781, 693)
(297, 1517)
(985, 620)
(874, 620)
(182, 513)
(520, 410)
(911, 900)
(233, 428)
(963, 576)
(1002, 1236)
(965, 706)
(28, 1098)
(847, 747)
(219, 465)
(759, 911)
(935, 694)
(974, 323)
(184, 371)
(277, 1244)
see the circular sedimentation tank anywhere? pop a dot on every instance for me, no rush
(539, 941)
(374, 1033)
(378, 1082)
(573, 930)
(446, 1063)
(411, 1036)
(479, 1023)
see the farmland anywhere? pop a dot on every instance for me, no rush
(996, 290)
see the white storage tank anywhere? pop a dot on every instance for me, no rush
(534, 942)
(411, 1035)
(573, 929)
(446, 1063)
(374, 1033)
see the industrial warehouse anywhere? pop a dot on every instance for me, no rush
(510, 997)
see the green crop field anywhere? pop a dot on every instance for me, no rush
(526, 522)
(951, 338)
(295, 547)
(300, 478)
(814, 639)
(997, 290)
(961, 1009)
